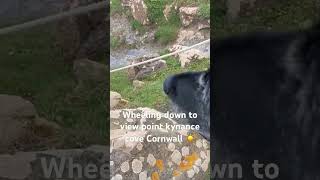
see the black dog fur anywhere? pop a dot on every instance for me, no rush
(266, 103)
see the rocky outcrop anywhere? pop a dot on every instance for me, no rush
(188, 56)
(140, 154)
(142, 71)
(122, 29)
(188, 15)
(116, 100)
(138, 9)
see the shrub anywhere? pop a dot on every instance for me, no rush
(155, 10)
(116, 7)
(115, 42)
(204, 11)
(136, 25)
(166, 33)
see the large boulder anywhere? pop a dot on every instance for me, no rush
(140, 154)
(188, 15)
(142, 71)
(138, 9)
(20, 124)
(16, 114)
(116, 100)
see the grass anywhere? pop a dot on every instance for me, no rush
(151, 94)
(204, 11)
(31, 66)
(116, 7)
(115, 42)
(136, 25)
(168, 30)
(166, 33)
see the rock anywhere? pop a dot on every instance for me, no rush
(189, 56)
(191, 36)
(137, 84)
(20, 125)
(82, 36)
(45, 128)
(140, 158)
(121, 28)
(29, 165)
(86, 70)
(188, 15)
(142, 71)
(204, 25)
(167, 10)
(138, 10)
(116, 100)
(16, 114)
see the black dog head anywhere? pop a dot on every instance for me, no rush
(191, 93)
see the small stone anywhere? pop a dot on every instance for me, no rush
(143, 175)
(125, 166)
(203, 155)
(176, 157)
(151, 160)
(138, 84)
(204, 165)
(198, 162)
(111, 163)
(185, 151)
(118, 143)
(199, 143)
(117, 177)
(130, 120)
(139, 146)
(171, 146)
(141, 159)
(204, 144)
(196, 169)
(190, 173)
(136, 166)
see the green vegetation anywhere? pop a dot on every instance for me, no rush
(31, 66)
(151, 94)
(115, 7)
(166, 33)
(115, 42)
(204, 11)
(155, 10)
(168, 30)
(136, 25)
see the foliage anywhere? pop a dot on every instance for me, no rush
(116, 7)
(204, 11)
(136, 25)
(115, 42)
(155, 10)
(168, 31)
